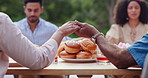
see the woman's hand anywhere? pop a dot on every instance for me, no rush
(68, 28)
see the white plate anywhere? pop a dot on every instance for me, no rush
(79, 60)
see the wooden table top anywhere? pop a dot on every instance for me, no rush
(73, 68)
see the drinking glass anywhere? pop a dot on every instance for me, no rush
(101, 59)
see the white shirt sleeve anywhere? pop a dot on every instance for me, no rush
(3, 64)
(19, 48)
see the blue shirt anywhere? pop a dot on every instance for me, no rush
(42, 33)
(139, 50)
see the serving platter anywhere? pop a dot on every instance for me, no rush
(79, 60)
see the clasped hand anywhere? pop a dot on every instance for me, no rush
(81, 29)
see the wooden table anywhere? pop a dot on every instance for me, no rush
(67, 68)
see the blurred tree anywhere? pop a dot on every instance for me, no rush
(14, 8)
(94, 12)
(99, 13)
(110, 7)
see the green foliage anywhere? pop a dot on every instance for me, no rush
(14, 8)
(58, 12)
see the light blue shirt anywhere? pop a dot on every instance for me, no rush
(42, 33)
(139, 50)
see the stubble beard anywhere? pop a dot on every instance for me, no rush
(33, 21)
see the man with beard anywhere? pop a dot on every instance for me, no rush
(36, 29)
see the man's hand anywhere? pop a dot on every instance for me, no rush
(86, 30)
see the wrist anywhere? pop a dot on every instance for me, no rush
(94, 37)
(57, 36)
(60, 33)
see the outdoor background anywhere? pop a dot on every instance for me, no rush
(99, 13)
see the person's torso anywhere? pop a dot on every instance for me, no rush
(42, 33)
(141, 30)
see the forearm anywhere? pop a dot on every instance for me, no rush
(28, 55)
(19, 48)
(57, 36)
(121, 58)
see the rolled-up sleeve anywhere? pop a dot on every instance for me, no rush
(139, 50)
(19, 48)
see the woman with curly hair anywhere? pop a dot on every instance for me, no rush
(131, 18)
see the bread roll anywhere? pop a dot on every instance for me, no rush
(88, 45)
(61, 48)
(67, 55)
(84, 55)
(94, 56)
(72, 46)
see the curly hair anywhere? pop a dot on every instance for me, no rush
(120, 12)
